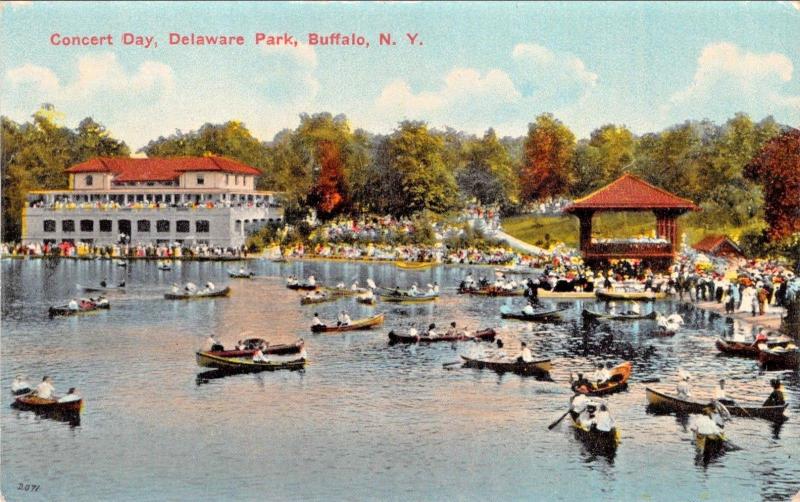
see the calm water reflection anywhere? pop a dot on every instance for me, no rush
(364, 420)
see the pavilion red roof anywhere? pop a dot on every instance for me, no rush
(126, 169)
(714, 243)
(630, 193)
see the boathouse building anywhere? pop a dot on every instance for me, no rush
(186, 200)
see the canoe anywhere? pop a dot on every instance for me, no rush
(745, 349)
(246, 364)
(404, 298)
(35, 403)
(782, 357)
(536, 316)
(662, 332)
(596, 441)
(659, 401)
(366, 323)
(208, 359)
(492, 291)
(366, 301)
(414, 265)
(629, 295)
(303, 287)
(101, 289)
(486, 334)
(618, 317)
(540, 367)
(64, 310)
(238, 275)
(226, 291)
(542, 293)
(618, 381)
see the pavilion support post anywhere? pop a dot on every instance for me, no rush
(667, 227)
(585, 219)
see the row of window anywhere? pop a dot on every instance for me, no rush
(124, 226)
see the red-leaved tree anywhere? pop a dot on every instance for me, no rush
(546, 165)
(777, 169)
(328, 195)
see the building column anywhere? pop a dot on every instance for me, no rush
(585, 220)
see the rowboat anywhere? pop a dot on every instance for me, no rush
(101, 289)
(226, 291)
(208, 358)
(660, 402)
(569, 295)
(405, 298)
(366, 323)
(629, 295)
(64, 310)
(618, 381)
(309, 300)
(745, 349)
(246, 364)
(38, 404)
(164, 266)
(517, 270)
(414, 265)
(780, 357)
(492, 291)
(486, 334)
(536, 316)
(241, 275)
(366, 300)
(600, 442)
(303, 287)
(662, 332)
(710, 445)
(618, 317)
(541, 367)
(340, 292)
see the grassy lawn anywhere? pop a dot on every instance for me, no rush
(535, 229)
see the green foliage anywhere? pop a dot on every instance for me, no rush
(488, 171)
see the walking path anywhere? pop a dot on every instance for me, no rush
(517, 244)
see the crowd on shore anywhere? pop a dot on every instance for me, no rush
(86, 250)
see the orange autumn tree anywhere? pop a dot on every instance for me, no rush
(329, 193)
(777, 169)
(547, 162)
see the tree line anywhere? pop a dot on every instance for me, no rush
(728, 169)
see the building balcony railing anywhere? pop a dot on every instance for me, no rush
(628, 249)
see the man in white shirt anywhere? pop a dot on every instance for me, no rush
(525, 355)
(73, 305)
(413, 291)
(316, 321)
(683, 387)
(704, 424)
(45, 389)
(20, 385)
(603, 421)
(311, 281)
(528, 310)
(346, 321)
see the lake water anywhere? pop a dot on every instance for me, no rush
(364, 421)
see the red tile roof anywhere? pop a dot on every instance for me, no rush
(126, 169)
(712, 243)
(631, 193)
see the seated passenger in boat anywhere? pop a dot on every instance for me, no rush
(240, 345)
(291, 281)
(469, 281)
(354, 286)
(20, 386)
(45, 389)
(600, 375)
(343, 319)
(581, 381)
(72, 395)
(241, 271)
(525, 355)
(412, 331)
(683, 388)
(175, 289)
(432, 331)
(73, 305)
(413, 291)
(190, 288)
(776, 398)
(451, 331)
(528, 310)
(316, 321)
(602, 420)
(311, 281)
(259, 357)
(704, 424)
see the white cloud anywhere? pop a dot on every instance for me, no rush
(96, 73)
(41, 78)
(289, 75)
(729, 79)
(548, 72)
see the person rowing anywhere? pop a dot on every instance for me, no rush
(316, 321)
(259, 357)
(45, 389)
(452, 331)
(761, 339)
(73, 305)
(705, 424)
(20, 386)
(776, 398)
(719, 393)
(431, 333)
(343, 319)
(525, 355)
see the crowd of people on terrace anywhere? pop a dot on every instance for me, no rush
(86, 250)
(145, 204)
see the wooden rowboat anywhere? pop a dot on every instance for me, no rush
(660, 402)
(310, 300)
(38, 404)
(102, 289)
(303, 287)
(366, 323)
(492, 291)
(486, 334)
(208, 359)
(780, 357)
(569, 295)
(414, 265)
(240, 275)
(737, 348)
(662, 332)
(226, 291)
(404, 298)
(540, 367)
(546, 315)
(629, 295)
(246, 364)
(618, 381)
(366, 301)
(709, 445)
(64, 310)
(599, 442)
(618, 317)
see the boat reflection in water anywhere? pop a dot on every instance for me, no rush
(73, 418)
(206, 376)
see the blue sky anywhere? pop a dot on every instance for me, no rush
(644, 65)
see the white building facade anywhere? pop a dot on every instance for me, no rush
(188, 200)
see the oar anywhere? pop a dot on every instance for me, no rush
(448, 365)
(553, 425)
(738, 406)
